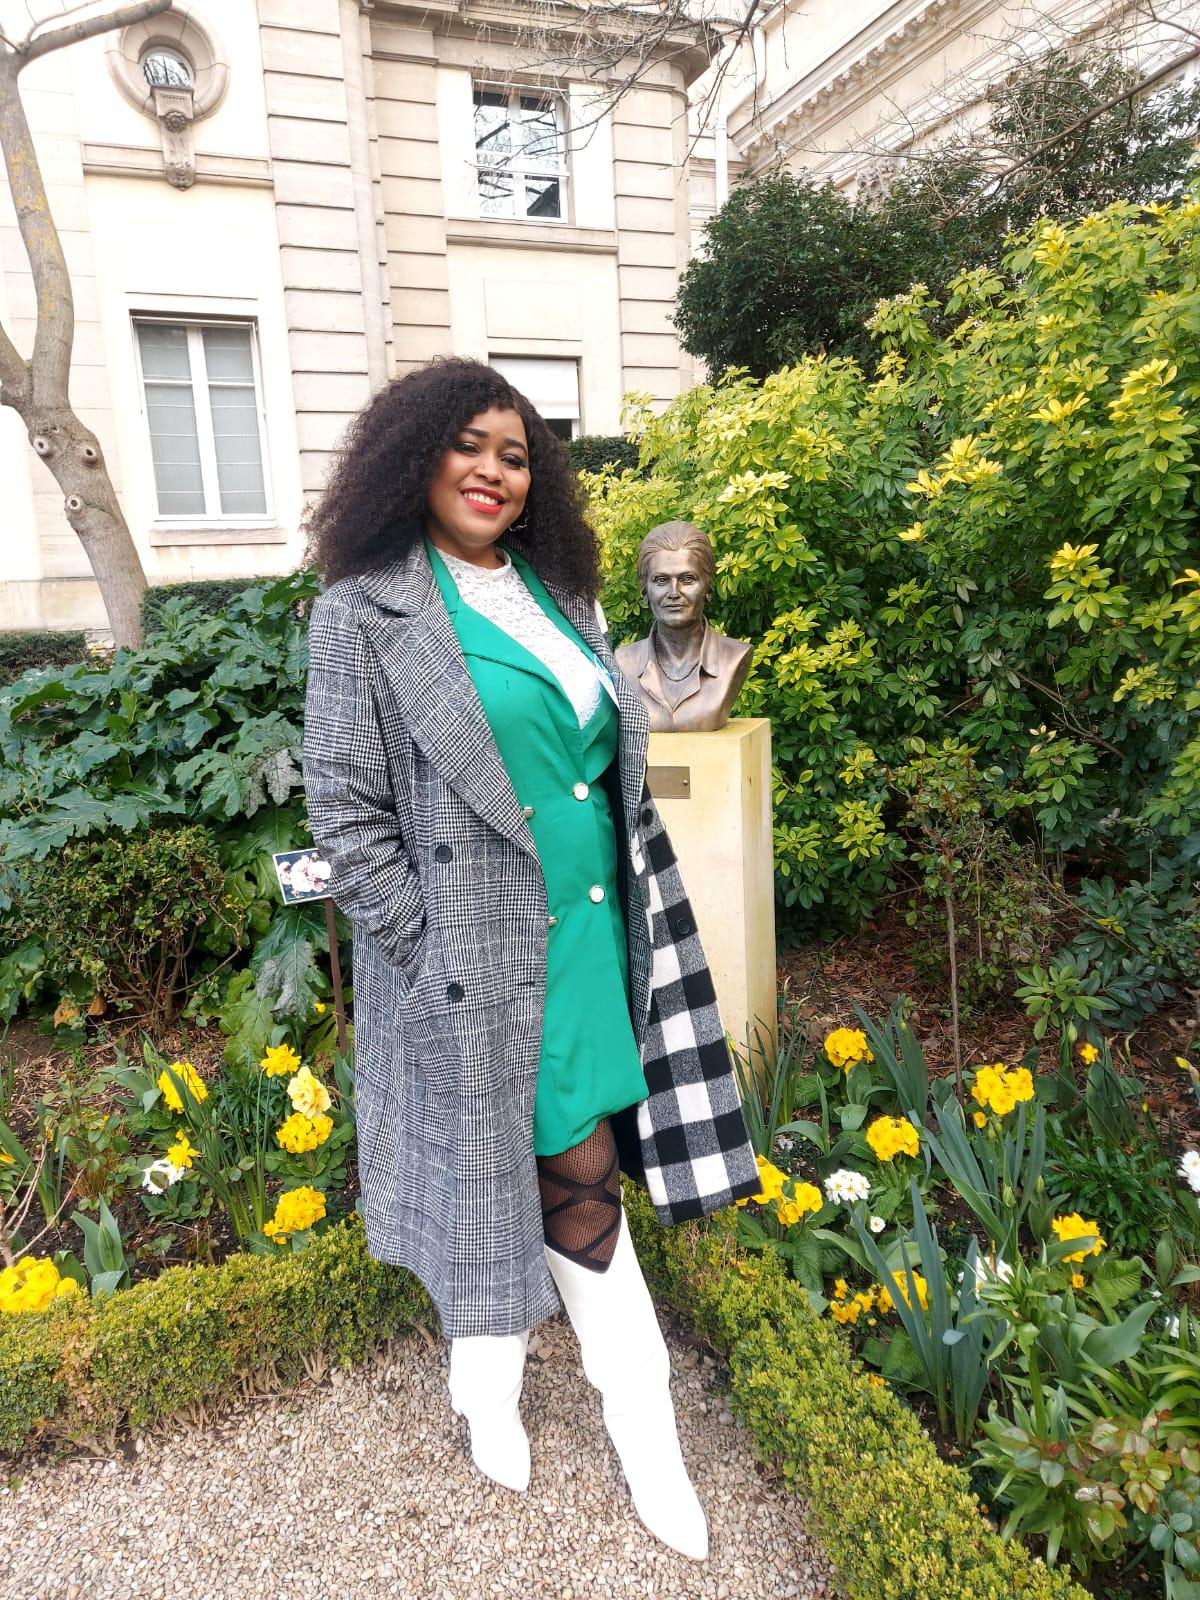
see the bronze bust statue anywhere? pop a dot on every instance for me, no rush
(688, 674)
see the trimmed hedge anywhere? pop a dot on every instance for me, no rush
(22, 652)
(210, 594)
(591, 451)
(893, 1517)
(87, 1366)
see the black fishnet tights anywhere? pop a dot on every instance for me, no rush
(581, 1199)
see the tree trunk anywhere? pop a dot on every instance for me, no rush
(38, 389)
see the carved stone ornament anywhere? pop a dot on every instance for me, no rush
(194, 47)
(173, 108)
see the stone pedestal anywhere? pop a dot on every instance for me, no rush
(714, 793)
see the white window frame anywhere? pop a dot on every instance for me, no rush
(563, 171)
(204, 430)
(498, 359)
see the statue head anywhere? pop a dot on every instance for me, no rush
(676, 572)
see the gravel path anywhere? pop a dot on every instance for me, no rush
(361, 1488)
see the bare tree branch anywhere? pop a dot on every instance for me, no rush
(41, 44)
(1126, 95)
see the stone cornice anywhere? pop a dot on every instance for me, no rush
(856, 70)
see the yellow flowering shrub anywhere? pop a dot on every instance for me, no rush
(1001, 1089)
(846, 1047)
(890, 1137)
(191, 1080)
(1073, 1226)
(32, 1284)
(300, 1133)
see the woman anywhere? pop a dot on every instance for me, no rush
(529, 989)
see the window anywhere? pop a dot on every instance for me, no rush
(167, 69)
(521, 153)
(203, 412)
(550, 386)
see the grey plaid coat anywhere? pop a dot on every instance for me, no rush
(435, 867)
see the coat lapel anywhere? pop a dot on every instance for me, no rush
(420, 655)
(635, 724)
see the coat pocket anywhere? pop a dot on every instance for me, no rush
(429, 1045)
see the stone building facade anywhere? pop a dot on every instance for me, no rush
(270, 208)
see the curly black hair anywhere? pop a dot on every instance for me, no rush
(374, 503)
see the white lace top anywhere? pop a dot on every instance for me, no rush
(499, 593)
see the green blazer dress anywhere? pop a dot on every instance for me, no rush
(589, 1066)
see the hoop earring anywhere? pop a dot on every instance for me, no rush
(521, 525)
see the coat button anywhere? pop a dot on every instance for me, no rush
(647, 815)
(596, 894)
(443, 853)
(581, 791)
(552, 922)
(454, 991)
(681, 927)
(526, 811)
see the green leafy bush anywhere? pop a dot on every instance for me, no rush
(120, 919)
(201, 726)
(895, 548)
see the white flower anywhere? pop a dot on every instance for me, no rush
(989, 1269)
(785, 1143)
(160, 1175)
(1172, 1326)
(1189, 1168)
(877, 1224)
(844, 1185)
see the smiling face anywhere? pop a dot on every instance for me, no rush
(675, 590)
(479, 488)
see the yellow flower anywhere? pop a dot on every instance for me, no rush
(876, 1381)
(847, 1312)
(1001, 1089)
(1073, 1226)
(319, 1007)
(979, 1118)
(279, 1059)
(886, 1300)
(6, 1160)
(1078, 1280)
(845, 1047)
(1088, 1053)
(295, 1210)
(806, 1198)
(893, 1136)
(300, 1133)
(181, 1154)
(31, 1284)
(840, 1289)
(771, 1182)
(192, 1082)
(308, 1094)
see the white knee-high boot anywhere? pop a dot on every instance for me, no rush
(486, 1373)
(626, 1358)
